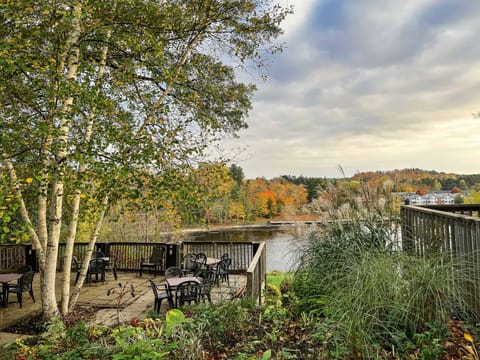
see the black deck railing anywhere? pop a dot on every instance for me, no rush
(128, 255)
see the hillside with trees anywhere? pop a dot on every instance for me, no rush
(412, 180)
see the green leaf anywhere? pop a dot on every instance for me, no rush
(267, 355)
(174, 317)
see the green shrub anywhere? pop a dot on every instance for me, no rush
(221, 322)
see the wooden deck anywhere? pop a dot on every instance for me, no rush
(96, 295)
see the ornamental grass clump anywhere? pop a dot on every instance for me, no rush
(351, 270)
(390, 296)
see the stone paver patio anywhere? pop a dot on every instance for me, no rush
(96, 295)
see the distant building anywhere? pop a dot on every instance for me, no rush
(430, 198)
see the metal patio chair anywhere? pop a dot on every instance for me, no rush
(187, 292)
(24, 284)
(160, 295)
(155, 262)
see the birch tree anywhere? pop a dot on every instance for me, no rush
(96, 96)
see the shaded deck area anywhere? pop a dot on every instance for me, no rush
(96, 296)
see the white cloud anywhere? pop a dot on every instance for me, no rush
(370, 85)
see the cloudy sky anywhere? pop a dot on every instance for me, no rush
(369, 85)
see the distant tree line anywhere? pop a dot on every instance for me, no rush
(411, 180)
(214, 193)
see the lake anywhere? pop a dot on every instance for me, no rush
(280, 243)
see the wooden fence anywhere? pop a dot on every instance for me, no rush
(12, 257)
(432, 229)
(256, 274)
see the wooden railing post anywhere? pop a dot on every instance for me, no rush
(256, 275)
(172, 255)
(31, 257)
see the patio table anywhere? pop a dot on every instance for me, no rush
(5, 279)
(173, 283)
(211, 262)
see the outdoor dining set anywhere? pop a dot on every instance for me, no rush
(98, 265)
(17, 282)
(21, 280)
(192, 282)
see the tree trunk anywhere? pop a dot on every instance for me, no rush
(72, 228)
(68, 256)
(49, 300)
(88, 255)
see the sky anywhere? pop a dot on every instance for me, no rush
(368, 85)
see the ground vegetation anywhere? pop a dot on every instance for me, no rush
(280, 329)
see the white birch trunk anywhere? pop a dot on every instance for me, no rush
(47, 284)
(72, 228)
(88, 255)
(23, 209)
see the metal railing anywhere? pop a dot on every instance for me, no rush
(241, 253)
(128, 256)
(12, 257)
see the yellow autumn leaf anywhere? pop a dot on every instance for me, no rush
(83, 196)
(468, 337)
(28, 180)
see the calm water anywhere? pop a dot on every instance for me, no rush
(280, 243)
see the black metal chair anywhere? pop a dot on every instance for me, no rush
(23, 284)
(155, 262)
(173, 272)
(98, 254)
(189, 265)
(222, 271)
(23, 269)
(224, 256)
(187, 292)
(209, 278)
(200, 262)
(110, 262)
(160, 296)
(96, 268)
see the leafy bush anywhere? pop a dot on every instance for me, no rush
(221, 322)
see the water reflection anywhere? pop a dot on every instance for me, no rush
(280, 243)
